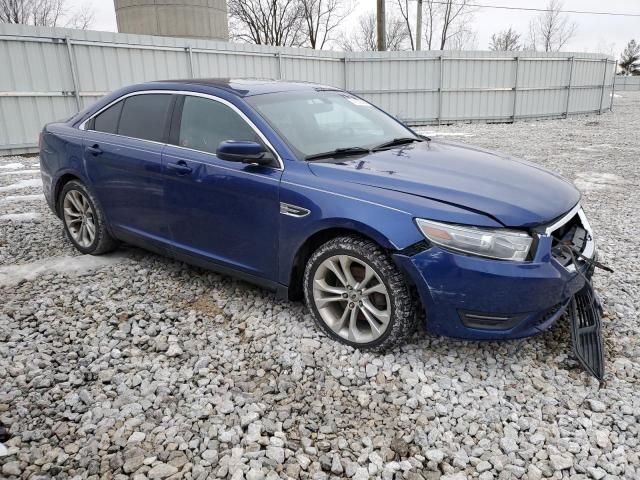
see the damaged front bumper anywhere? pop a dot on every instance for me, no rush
(477, 298)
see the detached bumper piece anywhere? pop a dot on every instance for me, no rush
(586, 331)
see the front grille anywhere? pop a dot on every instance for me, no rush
(586, 332)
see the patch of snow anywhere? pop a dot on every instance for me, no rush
(432, 133)
(80, 265)
(19, 172)
(589, 181)
(36, 165)
(32, 182)
(21, 198)
(20, 217)
(12, 165)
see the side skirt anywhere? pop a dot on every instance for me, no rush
(197, 261)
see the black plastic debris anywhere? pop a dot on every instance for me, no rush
(586, 331)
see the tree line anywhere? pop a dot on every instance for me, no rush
(320, 24)
(46, 13)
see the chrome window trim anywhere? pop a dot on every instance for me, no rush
(83, 125)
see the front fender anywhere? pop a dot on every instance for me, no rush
(385, 216)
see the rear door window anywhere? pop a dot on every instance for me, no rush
(205, 123)
(145, 116)
(107, 121)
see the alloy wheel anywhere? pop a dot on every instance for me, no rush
(79, 218)
(351, 298)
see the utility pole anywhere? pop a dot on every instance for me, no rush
(381, 22)
(419, 26)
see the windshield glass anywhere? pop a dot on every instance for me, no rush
(322, 121)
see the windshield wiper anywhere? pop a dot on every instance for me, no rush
(395, 142)
(338, 152)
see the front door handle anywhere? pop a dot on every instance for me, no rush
(94, 150)
(180, 167)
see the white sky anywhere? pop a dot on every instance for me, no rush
(596, 33)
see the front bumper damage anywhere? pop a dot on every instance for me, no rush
(475, 298)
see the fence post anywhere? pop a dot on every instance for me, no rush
(604, 81)
(613, 86)
(566, 110)
(515, 90)
(279, 55)
(346, 76)
(74, 76)
(440, 90)
(190, 59)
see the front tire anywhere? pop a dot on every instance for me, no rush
(84, 221)
(357, 295)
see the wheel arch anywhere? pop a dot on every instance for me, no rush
(321, 236)
(59, 185)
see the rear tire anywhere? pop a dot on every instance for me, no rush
(84, 221)
(357, 295)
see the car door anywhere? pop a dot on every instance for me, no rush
(123, 156)
(220, 211)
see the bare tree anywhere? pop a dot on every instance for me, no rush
(430, 19)
(82, 19)
(31, 12)
(267, 22)
(551, 30)
(322, 18)
(464, 39)
(630, 59)
(506, 41)
(45, 13)
(447, 24)
(364, 38)
(403, 6)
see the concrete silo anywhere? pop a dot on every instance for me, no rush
(173, 18)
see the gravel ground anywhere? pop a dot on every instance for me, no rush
(137, 365)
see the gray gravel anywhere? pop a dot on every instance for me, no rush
(145, 367)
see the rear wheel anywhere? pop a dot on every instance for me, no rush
(84, 221)
(357, 295)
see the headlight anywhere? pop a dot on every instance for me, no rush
(497, 243)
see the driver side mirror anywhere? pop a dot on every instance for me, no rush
(244, 152)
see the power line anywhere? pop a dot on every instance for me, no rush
(532, 9)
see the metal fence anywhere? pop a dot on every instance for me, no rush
(48, 74)
(623, 83)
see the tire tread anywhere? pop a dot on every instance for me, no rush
(404, 318)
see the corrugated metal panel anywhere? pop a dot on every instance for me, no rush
(624, 83)
(37, 84)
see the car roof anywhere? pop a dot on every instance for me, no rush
(243, 87)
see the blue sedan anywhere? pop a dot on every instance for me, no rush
(317, 194)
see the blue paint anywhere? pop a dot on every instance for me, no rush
(226, 215)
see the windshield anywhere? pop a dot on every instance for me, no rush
(323, 121)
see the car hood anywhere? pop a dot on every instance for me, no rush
(512, 191)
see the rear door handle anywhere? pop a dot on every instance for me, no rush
(94, 150)
(180, 167)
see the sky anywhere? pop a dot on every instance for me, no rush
(596, 33)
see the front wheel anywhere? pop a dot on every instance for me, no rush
(357, 294)
(84, 221)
